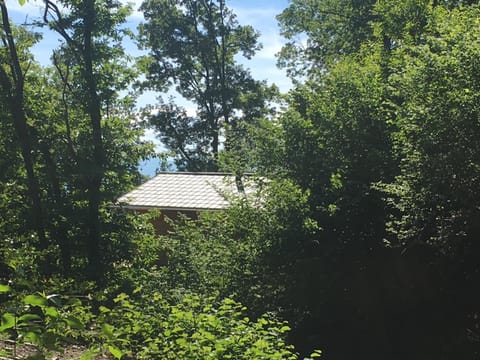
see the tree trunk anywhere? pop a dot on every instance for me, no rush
(97, 162)
(57, 224)
(15, 95)
(84, 52)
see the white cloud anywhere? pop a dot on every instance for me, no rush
(135, 3)
(191, 111)
(255, 14)
(149, 135)
(32, 7)
(260, 15)
(136, 15)
(272, 44)
(263, 64)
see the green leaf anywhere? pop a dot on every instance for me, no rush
(107, 330)
(181, 342)
(103, 309)
(22, 2)
(316, 354)
(52, 312)
(8, 322)
(35, 300)
(4, 353)
(116, 352)
(74, 323)
(285, 328)
(4, 288)
(32, 337)
(28, 317)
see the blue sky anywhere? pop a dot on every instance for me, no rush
(259, 14)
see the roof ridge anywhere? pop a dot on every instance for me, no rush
(192, 173)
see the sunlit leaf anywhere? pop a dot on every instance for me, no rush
(28, 317)
(8, 322)
(35, 300)
(52, 312)
(107, 330)
(116, 352)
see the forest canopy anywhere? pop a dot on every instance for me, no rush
(362, 237)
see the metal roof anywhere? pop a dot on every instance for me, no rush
(182, 191)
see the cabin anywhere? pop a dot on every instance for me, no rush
(186, 193)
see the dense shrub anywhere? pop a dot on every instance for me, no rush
(147, 326)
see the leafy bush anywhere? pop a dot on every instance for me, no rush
(248, 252)
(145, 327)
(194, 328)
(47, 321)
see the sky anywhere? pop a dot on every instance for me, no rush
(257, 13)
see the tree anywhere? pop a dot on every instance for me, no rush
(336, 145)
(82, 43)
(435, 193)
(193, 45)
(12, 79)
(86, 68)
(321, 32)
(383, 137)
(83, 147)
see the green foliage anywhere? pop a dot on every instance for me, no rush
(59, 132)
(194, 328)
(321, 32)
(45, 321)
(382, 134)
(92, 67)
(146, 327)
(84, 149)
(401, 22)
(366, 228)
(250, 251)
(437, 135)
(336, 144)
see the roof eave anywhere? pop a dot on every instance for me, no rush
(165, 208)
